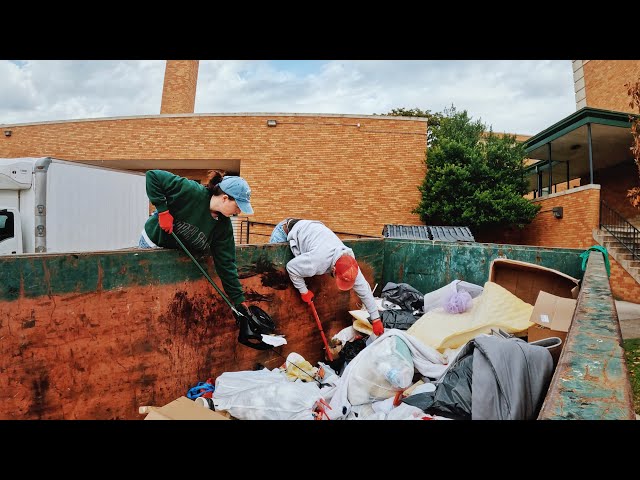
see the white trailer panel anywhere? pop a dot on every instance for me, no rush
(105, 210)
(74, 207)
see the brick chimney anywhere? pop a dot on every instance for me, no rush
(179, 90)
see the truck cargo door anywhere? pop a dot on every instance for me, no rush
(10, 232)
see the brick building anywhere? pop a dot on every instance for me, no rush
(357, 173)
(334, 168)
(583, 170)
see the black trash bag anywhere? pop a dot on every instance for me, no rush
(252, 324)
(347, 353)
(404, 295)
(351, 349)
(400, 319)
(452, 396)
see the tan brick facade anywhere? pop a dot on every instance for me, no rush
(604, 83)
(623, 285)
(574, 229)
(179, 90)
(353, 178)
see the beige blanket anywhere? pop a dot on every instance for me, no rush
(495, 308)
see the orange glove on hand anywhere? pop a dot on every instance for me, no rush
(165, 219)
(378, 329)
(307, 297)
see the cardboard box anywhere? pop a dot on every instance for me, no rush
(552, 316)
(526, 280)
(182, 409)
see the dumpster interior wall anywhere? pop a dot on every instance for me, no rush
(96, 335)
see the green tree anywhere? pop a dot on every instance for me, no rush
(474, 177)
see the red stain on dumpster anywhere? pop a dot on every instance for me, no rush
(102, 354)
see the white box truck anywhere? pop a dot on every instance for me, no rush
(51, 205)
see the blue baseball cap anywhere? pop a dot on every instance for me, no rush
(238, 188)
(278, 235)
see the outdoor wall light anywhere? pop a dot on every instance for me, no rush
(271, 123)
(557, 212)
(7, 133)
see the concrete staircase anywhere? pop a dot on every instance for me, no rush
(617, 250)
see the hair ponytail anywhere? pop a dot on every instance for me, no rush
(214, 177)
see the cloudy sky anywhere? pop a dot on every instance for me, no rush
(515, 96)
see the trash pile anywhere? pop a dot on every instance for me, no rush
(460, 352)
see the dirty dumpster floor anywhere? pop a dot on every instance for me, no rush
(629, 316)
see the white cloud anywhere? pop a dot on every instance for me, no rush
(516, 96)
(61, 90)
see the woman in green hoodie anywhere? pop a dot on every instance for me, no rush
(199, 215)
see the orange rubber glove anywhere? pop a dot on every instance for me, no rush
(378, 329)
(165, 219)
(307, 297)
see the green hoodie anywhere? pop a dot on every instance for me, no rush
(188, 202)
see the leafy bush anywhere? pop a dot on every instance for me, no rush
(474, 177)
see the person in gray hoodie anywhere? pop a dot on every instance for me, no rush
(317, 251)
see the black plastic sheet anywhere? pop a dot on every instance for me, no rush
(404, 295)
(400, 319)
(452, 397)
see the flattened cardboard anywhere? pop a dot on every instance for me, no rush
(552, 316)
(361, 323)
(526, 280)
(183, 409)
(553, 312)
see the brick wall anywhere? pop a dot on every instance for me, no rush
(581, 208)
(604, 83)
(179, 90)
(623, 285)
(325, 167)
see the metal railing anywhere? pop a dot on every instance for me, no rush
(247, 231)
(621, 229)
(241, 232)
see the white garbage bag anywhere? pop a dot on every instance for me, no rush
(266, 395)
(385, 368)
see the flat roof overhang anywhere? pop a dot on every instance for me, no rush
(567, 144)
(231, 166)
